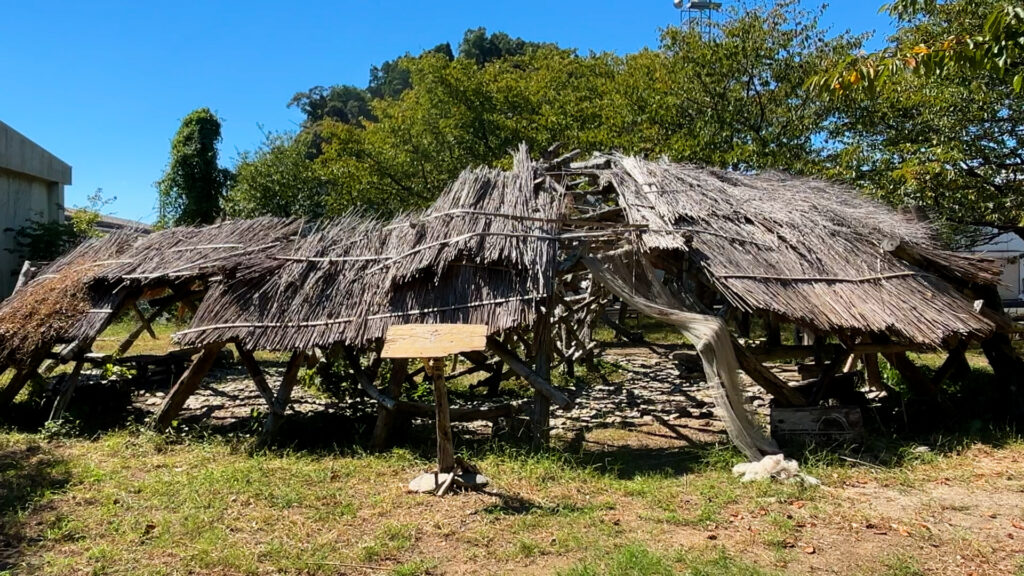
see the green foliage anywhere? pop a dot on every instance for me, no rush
(737, 99)
(191, 189)
(279, 179)
(44, 241)
(946, 142)
(343, 103)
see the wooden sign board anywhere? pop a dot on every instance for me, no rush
(433, 340)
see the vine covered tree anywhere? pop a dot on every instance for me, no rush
(193, 185)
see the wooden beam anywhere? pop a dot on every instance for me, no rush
(143, 321)
(386, 418)
(23, 375)
(874, 374)
(60, 405)
(365, 381)
(780, 390)
(256, 373)
(528, 374)
(187, 385)
(284, 394)
(768, 353)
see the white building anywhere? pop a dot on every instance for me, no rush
(31, 188)
(1008, 248)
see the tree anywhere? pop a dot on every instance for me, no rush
(479, 47)
(191, 189)
(343, 103)
(391, 79)
(735, 98)
(279, 179)
(947, 142)
(991, 42)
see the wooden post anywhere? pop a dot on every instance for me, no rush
(387, 418)
(66, 391)
(773, 336)
(284, 394)
(445, 444)
(22, 375)
(540, 419)
(874, 373)
(186, 385)
(1006, 363)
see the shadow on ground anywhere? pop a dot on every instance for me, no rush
(28, 475)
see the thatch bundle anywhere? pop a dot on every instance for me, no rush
(483, 253)
(64, 302)
(817, 253)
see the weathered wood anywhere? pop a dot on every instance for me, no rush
(956, 360)
(365, 381)
(528, 374)
(256, 373)
(284, 394)
(23, 375)
(445, 444)
(433, 340)
(60, 405)
(1006, 363)
(540, 419)
(25, 276)
(143, 321)
(387, 419)
(187, 385)
(769, 353)
(874, 373)
(783, 394)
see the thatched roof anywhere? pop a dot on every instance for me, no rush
(812, 251)
(483, 253)
(77, 296)
(487, 252)
(64, 302)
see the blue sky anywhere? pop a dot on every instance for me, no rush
(104, 84)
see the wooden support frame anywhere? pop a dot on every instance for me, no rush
(533, 378)
(284, 394)
(60, 405)
(23, 375)
(784, 394)
(256, 373)
(186, 385)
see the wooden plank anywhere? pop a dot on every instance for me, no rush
(874, 373)
(433, 340)
(187, 385)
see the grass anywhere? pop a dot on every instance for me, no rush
(135, 502)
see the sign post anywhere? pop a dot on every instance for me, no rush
(432, 343)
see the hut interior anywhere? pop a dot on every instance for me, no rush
(537, 254)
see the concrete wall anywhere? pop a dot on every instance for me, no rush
(31, 187)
